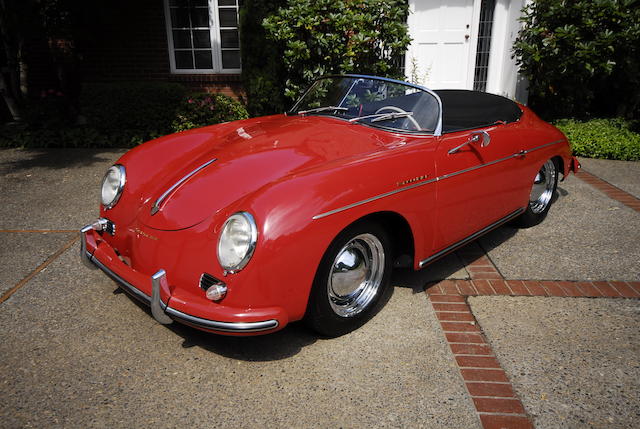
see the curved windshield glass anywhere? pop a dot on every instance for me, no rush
(377, 102)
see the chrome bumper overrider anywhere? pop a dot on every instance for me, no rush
(161, 311)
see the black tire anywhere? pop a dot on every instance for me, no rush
(349, 290)
(537, 209)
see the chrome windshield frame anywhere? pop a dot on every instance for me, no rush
(438, 130)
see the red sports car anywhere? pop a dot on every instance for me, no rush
(240, 228)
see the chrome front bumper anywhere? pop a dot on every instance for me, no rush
(163, 313)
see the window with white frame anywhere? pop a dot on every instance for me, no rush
(203, 36)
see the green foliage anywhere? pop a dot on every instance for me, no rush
(262, 66)
(52, 110)
(119, 115)
(321, 37)
(603, 138)
(581, 57)
(131, 112)
(199, 110)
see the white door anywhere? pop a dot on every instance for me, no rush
(442, 52)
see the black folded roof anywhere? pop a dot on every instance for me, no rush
(464, 109)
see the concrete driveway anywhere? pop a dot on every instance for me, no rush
(77, 353)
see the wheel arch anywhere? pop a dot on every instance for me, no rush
(400, 233)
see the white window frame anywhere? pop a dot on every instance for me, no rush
(216, 43)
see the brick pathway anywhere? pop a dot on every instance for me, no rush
(487, 383)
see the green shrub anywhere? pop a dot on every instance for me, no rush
(603, 138)
(263, 77)
(203, 109)
(582, 57)
(321, 37)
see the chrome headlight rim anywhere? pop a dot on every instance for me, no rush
(231, 269)
(120, 188)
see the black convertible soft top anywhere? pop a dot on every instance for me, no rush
(463, 109)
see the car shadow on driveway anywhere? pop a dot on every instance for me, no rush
(25, 159)
(262, 348)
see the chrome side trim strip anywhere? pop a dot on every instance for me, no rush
(445, 176)
(470, 238)
(214, 325)
(377, 197)
(524, 152)
(156, 206)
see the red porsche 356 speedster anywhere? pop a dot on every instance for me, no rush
(240, 228)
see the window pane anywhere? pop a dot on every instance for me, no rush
(203, 3)
(228, 18)
(180, 17)
(230, 59)
(226, 2)
(203, 60)
(200, 17)
(179, 3)
(229, 38)
(181, 39)
(184, 60)
(201, 39)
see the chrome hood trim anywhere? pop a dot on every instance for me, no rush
(156, 206)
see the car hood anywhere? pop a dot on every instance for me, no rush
(248, 155)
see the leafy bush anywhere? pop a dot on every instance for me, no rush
(321, 37)
(262, 67)
(203, 109)
(51, 110)
(603, 138)
(119, 115)
(581, 57)
(131, 112)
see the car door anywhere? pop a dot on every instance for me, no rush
(478, 181)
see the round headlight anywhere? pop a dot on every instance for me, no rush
(237, 241)
(112, 186)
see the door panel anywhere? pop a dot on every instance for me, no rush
(477, 185)
(441, 30)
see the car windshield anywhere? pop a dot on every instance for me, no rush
(371, 101)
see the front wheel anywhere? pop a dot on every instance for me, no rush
(352, 279)
(541, 195)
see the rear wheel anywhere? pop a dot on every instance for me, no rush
(541, 195)
(352, 279)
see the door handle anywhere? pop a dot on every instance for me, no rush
(475, 137)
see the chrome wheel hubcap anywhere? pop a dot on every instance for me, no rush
(542, 189)
(356, 275)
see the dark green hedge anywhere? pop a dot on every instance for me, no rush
(118, 115)
(263, 75)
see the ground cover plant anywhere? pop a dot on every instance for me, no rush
(603, 138)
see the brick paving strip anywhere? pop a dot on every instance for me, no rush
(5, 296)
(487, 383)
(610, 190)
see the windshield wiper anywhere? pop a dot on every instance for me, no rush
(378, 117)
(322, 109)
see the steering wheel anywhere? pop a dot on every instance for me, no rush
(399, 110)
